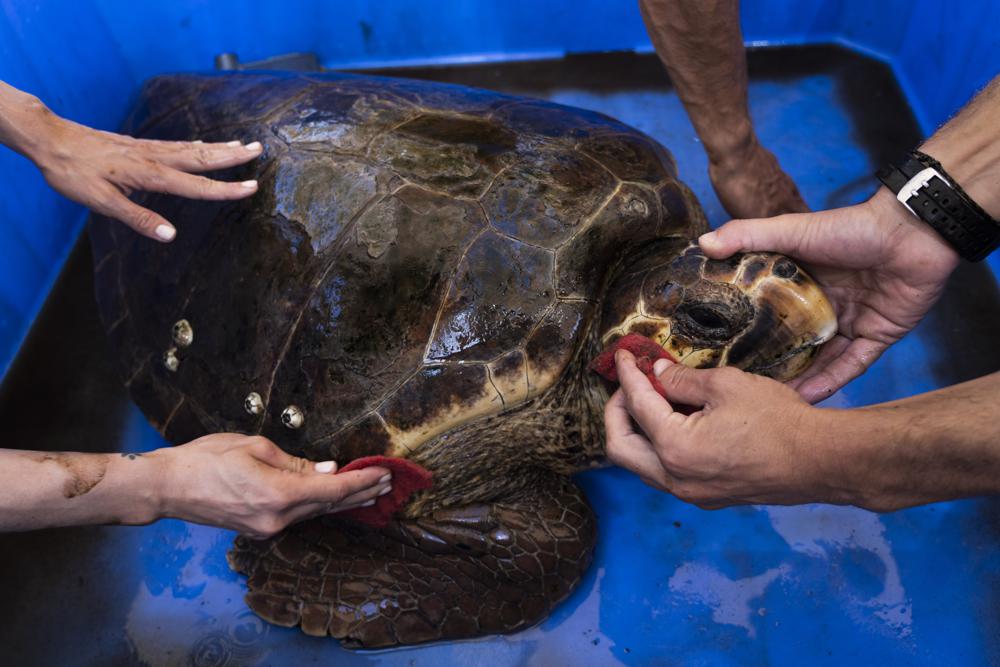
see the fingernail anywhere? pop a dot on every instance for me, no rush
(384, 478)
(708, 239)
(249, 185)
(166, 232)
(385, 491)
(255, 146)
(325, 466)
(234, 143)
(661, 365)
(367, 503)
(197, 141)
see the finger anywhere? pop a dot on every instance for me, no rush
(370, 493)
(140, 219)
(335, 488)
(617, 421)
(691, 386)
(784, 233)
(267, 452)
(854, 361)
(643, 402)
(196, 157)
(175, 182)
(832, 349)
(312, 510)
(333, 509)
(365, 498)
(631, 450)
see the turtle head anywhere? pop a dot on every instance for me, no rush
(759, 312)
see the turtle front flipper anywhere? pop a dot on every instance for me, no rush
(458, 573)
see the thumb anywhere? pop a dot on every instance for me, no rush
(335, 488)
(691, 386)
(783, 234)
(267, 452)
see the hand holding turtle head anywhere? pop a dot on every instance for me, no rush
(100, 169)
(881, 268)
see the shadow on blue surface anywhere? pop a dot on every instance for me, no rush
(671, 584)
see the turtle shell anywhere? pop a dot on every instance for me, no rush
(418, 256)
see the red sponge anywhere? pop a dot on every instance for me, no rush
(407, 479)
(646, 352)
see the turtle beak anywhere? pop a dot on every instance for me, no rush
(792, 321)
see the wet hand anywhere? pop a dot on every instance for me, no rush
(100, 169)
(881, 268)
(247, 483)
(746, 443)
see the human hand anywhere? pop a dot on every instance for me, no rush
(248, 484)
(881, 268)
(100, 169)
(751, 184)
(746, 444)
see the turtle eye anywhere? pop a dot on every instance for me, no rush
(707, 317)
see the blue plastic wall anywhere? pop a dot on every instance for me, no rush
(86, 58)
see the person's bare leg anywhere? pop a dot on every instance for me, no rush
(701, 44)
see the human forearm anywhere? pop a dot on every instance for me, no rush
(927, 448)
(49, 489)
(968, 147)
(23, 119)
(701, 45)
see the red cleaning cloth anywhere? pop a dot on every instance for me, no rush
(646, 352)
(407, 479)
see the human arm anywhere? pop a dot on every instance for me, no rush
(701, 45)
(756, 441)
(882, 267)
(245, 483)
(100, 169)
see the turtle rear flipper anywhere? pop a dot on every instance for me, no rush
(482, 569)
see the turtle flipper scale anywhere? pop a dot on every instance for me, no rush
(458, 573)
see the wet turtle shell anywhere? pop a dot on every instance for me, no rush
(418, 256)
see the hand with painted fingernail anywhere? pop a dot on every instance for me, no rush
(247, 483)
(100, 169)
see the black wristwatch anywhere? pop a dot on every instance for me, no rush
(922, 186)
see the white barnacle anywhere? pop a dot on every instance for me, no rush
(183, 333)
(292, 417)
(253, 403)
(170, 360)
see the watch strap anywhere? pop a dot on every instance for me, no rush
(922, 186)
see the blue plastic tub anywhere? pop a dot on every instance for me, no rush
(670, 583)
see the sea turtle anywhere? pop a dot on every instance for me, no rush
(425, 273)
